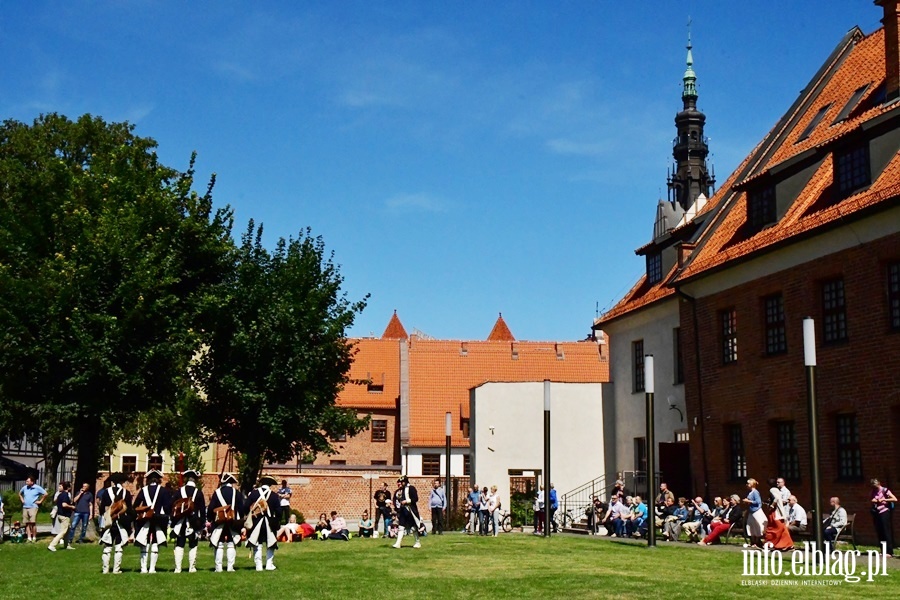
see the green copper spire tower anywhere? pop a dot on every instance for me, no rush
(689, 177)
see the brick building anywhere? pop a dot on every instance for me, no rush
(807, 226)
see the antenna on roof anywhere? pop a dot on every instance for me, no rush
(597, 309)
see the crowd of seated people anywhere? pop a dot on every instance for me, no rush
(771, 518)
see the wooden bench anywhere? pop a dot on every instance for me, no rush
(845, 533)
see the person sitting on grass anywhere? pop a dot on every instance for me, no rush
(366, 527)
(339, 529)
(323, 527)
(291, 531)
(720, 524)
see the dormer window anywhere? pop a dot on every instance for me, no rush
(761, 207)
(851, 169)
(654, 268)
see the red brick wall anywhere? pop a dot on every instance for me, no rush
(861, 375)
(360, 450)
(324, 491)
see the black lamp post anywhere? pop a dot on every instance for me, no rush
(449, 431)
(547, 458)
(809, 360)
(651, 449)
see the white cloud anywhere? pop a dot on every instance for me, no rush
(415, 203)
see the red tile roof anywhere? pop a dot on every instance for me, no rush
(859, 63)
(501, 332)
(394, 329)
(441, 374)
(378, 361)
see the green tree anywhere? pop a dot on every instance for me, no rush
(107, 262)
(278, 355)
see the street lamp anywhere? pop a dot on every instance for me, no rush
(370, 477)
(449, 432)
(651, 454)
(809, 360)
(547, 457)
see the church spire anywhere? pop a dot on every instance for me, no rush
(690, 177)
(690, 78)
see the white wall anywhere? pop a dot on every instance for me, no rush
(507, 432)
(625, 411)
(412, 463)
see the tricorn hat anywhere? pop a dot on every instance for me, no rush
(117, 477)
(267, 480)
(403, 479)
(191, 474)
(228, 478)
(153, 474)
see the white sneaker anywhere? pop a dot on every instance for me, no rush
(417, 545)
(395, 546)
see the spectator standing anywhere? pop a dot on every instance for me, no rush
(783, 490)
(284, 499)
(84, 512)
(756, 518)
(64, 508)
(383, 507)
(554, 506)
(31, 496)
(472, 502)
(494, 509)
(797, 518)
(484, 514)
(883, 500)
(437, 502)
(539, 512)
(664, 493)
(54, 522)
(836, 521)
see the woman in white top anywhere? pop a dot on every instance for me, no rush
(494, 509)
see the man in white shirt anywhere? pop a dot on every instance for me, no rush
(785, 492)
(796, 516)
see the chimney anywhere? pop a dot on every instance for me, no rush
(891, 22)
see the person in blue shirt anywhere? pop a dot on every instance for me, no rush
(756, 519)
(554, 505)
(637, 525)
(472, 502)
(31, 496)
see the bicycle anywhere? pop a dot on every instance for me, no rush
(505, 521)
(565, 518)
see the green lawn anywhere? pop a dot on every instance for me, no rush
(450, 566)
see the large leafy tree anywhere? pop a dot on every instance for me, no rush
(278, 355)
(107, 262)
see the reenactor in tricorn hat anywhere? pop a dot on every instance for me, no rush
(406, 500)
(188, 518)
(115, 506)
(264, 507)
(151, 506)
(225, 512)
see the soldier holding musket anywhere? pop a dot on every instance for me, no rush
(115, 507)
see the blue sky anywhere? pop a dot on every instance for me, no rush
(460, 159)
